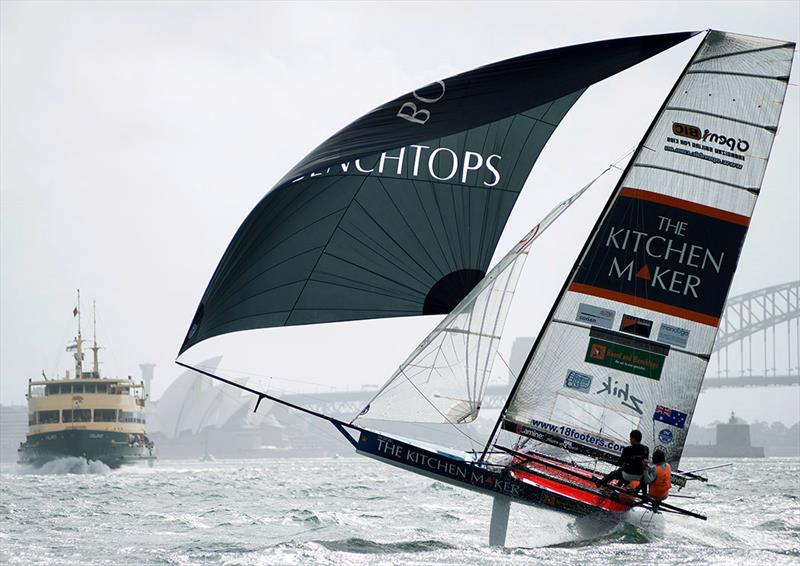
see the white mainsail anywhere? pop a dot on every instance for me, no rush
(628, 341)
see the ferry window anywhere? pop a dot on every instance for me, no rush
(77, 388)
(31, 419)
(37, 390)
(105, 415)
(65, 388)
(131, 417)
(52, 389)
(102, 387)
(89, 388)
(82, 415)
(66, 416)
(48, 417)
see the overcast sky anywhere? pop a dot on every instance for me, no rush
(136, 137)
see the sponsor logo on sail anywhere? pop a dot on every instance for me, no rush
(706, 135)
(635, 325)
(665, 436)
(562, 435)
(622, 393)
(412, 110)
(625, 358)
(670, 416)
(578, 381)
(687, 131)
(596, 316)
(673, 335)
(423, 162)
(665, 254)
(731, 143)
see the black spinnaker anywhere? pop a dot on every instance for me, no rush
(399, 213)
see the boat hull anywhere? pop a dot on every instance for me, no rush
(111, 448)
(449, 469)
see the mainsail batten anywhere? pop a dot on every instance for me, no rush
(399, 213)
(658, 267)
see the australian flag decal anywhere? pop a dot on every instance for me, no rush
(670, 416)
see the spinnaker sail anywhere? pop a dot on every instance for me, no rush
(628, 341)
(399, 213)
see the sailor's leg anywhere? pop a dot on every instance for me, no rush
(501, 506)
(615, 475)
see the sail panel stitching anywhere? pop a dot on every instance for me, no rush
(721, 116)
(750, 190)
(735, 74)
(724, 55)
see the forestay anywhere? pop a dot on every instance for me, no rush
(629, 339)
(399, 213)
(444, 379)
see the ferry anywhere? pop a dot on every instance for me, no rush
(86, 415)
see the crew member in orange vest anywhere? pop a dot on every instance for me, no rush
(659, 486)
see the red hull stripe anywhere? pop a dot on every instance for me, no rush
(582, 480)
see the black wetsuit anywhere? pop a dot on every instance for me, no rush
(631, 461)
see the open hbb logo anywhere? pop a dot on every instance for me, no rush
(598, 352)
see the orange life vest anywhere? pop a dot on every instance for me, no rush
(660, 486)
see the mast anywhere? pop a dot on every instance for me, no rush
(585, 248)
(95, 347)
(77, 347)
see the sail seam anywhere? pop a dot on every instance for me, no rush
(410, 229)
(750, 190)
(374, 289)
(732, 73)
(396, 243)
(322, 253)
(746, 51)
(289, 208)
(721, 116)
(369, 271)
(430, 224)
(387, 256)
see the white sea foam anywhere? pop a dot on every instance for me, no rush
(66, 465)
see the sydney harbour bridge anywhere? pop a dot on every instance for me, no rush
(758, 345)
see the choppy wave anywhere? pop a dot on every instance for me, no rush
(358, 512)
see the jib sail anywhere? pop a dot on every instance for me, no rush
(399, 213)
(444, 380)
(628, 340)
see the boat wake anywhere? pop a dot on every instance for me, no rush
(363, 546)
(621, 532)
(66, 465)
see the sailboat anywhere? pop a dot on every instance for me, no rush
(399, 213)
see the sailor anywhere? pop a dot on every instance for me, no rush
(660, 484)
(631, 464)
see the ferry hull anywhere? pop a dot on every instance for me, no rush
(448, 469)
(111, 448)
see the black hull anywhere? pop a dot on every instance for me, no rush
(448, 469)
(110, 448)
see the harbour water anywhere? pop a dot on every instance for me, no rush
(352, 510)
